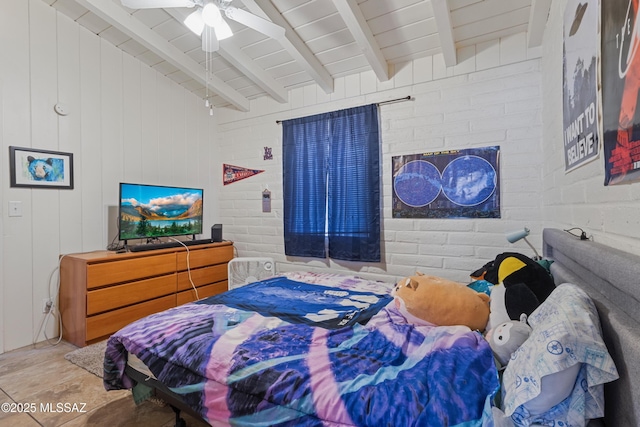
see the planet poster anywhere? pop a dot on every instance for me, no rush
(447, 184)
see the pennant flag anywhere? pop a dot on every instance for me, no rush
(231, 174)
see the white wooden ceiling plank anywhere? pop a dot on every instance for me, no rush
(459, 4)
(537, 21)
(114, 36)
(151, 17)
(285, 5)
(367, 43)
(192, 85)
(171, 29)
(246, 65)
(187, 42)
(133, 48)
(407, 33)
(427, 46)
(69, 8)
(311, 11)
(121, 19)
(486, 10)
(165, 68)
(348, 66)
(295, 46)
(93, 23)
(442, 16)
(495, 35)
(179, 77)
(331, 40)
(150, 58)
(291, 81)
(492, 25)
(260, 50)
(401, 17)
(328, 25)
(372, 9)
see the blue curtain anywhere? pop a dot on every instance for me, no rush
(331, 183)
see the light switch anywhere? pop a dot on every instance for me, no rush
(15, 208)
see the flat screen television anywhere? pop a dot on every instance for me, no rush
(152, 211)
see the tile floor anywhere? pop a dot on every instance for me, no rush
(42, 378)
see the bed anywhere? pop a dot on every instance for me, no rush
(235, 365)
(242, 366)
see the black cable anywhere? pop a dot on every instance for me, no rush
(116, 244)
(581, 236)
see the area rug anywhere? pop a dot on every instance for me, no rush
(90, 358)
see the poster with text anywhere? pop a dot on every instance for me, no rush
(447, 184)
(620, 88)
(580, 91)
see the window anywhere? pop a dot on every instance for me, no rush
(331, 183)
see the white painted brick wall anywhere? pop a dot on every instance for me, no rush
(579, 198)
(492, 97)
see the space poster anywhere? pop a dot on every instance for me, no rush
(447, 184)
(580, 91)
(620, 87)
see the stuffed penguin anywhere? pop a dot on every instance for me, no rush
(522, 284)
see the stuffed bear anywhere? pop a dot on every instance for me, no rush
(431, 300)
(506, 338)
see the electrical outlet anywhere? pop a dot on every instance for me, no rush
(46, 305)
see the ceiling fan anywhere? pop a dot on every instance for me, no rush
(207, 21)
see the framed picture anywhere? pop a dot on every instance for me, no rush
(40, 168)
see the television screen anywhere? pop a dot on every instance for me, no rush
(150, 211)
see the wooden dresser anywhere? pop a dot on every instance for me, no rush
(102, 291)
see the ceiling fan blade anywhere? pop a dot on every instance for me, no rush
(152, 4)
(209, 40)
(263, 26)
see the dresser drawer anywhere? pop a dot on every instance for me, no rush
(203, 292)
(204, 257)
(105, 299)
(107, 273)
(107, 323)
(202, 276)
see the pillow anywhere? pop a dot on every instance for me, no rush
(558, 373)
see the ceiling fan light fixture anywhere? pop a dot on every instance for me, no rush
(223, 30)
(211, 15)
(194, 22)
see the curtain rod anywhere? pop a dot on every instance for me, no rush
(391, 101)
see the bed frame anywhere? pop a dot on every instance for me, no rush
(611, 278)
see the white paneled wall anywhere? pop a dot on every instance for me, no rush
(126, 122)
(492, 97)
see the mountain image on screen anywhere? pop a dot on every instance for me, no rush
(149, 211)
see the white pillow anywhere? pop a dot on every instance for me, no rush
(558, 373)
(554, 389)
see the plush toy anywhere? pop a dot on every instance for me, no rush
(525, 285)
(505, 338)
(431, 300)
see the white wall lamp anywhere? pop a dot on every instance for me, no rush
(514, 236)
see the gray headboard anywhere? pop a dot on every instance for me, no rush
(612, 279)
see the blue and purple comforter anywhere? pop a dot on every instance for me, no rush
(242, 368)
